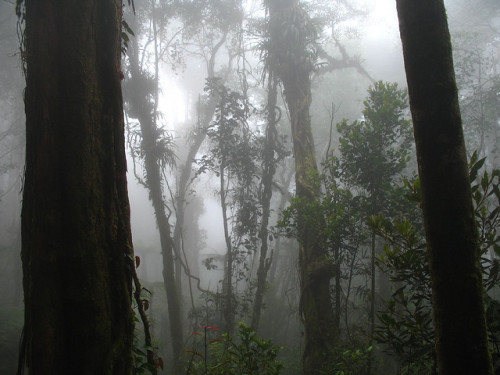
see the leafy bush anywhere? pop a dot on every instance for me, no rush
(223, 356)
(405, 325)
(350, 360)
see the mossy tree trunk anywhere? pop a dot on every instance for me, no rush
(452, 241)
(76, 239)
(291, 34)
(144, 110)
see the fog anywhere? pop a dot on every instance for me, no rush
(185, 64)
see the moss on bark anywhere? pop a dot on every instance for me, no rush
(290, 36)
(75, 217)
(459, 317)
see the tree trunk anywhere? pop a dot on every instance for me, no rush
(269, 169)
(144, 111)
(228, 310)
(452, 241)
(76, 238)
(289, 60)
(315, 272)
(205, 115)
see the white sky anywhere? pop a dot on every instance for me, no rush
(383, 20)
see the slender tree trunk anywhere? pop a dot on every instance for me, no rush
(338, 288)
(227, 290)
(267, 192)
(372, 300)
(284, 199)
(184, 183)
(289, 59)
(452, 240)
(76, 247)
(205, 113)
(144, 111)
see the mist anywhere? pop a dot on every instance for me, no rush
(272, 180)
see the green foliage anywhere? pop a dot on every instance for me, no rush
(235, 154)
(126, 33)
(360, 181)
(223, 356)
(486, 197)
(375, 150)
(141, 348)
(141, 365)
(405, 325)
(349, 361)
(337, 208)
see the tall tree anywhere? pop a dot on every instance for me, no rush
(291, 38)
(373, 154)
(452, 239)
(266, 192)
(233, 157)
(76, 237)
(156, 152)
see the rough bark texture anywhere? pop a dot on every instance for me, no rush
(448, 212)
(76, 247)
(315, 273)
(290, 35)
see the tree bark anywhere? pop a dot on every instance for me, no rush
(76, 238)
(452, 241)
(269, 168)
(290, 31)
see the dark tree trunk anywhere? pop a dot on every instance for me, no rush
(228, 309)
(452, 241)
(269, 169)
(290, 33)
(76, 239)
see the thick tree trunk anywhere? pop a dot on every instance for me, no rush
(461, 339)
(315, 272)
(76, 248)
(289, 34)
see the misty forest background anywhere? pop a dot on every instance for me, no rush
(211, 179)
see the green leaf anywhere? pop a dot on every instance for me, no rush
(475, 166)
